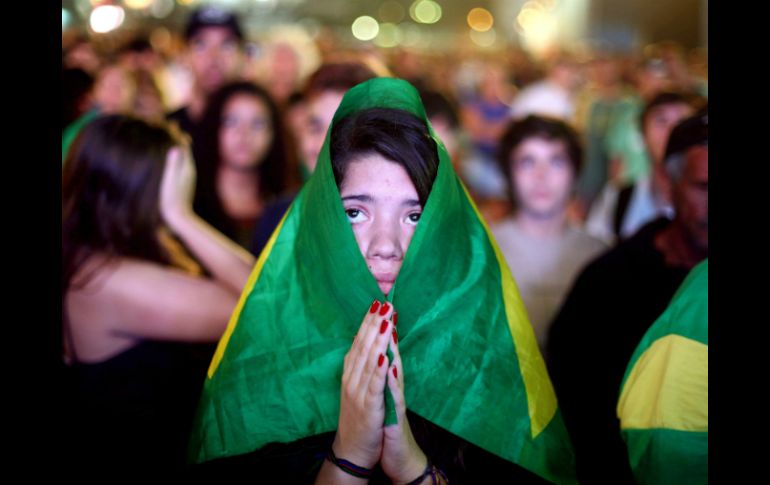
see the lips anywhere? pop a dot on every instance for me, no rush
(385, 281)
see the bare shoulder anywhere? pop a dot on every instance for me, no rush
(126, 298)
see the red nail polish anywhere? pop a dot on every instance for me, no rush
(383, 326)
(374, 307)
(384, 309)
(395, 372)
(395, 336)
(380, 360)
(395, 318)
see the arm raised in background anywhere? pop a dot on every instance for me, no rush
(227, 262)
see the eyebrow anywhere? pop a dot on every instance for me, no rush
(369, 199)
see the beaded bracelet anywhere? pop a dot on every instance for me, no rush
(348, 467)
(432, 471)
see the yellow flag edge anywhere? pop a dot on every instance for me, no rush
(222, 345)
(541, 398)
(653, 395)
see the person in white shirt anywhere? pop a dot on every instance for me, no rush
(541, 157)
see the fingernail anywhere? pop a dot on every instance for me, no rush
(395, 373)
(374, 307)
(384, 309)
(395, 318)
(383, 326)
(395, 336)
(380, 360)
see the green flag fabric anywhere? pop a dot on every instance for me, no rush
(663, 405)
(469, 356)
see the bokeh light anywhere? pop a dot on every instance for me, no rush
(106, 18)
(365, 28)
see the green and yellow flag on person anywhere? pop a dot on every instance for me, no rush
(663, 405)
(470, 360)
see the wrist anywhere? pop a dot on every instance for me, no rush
(352, 454)
(177, 218)
(349, 469)
(411, 470)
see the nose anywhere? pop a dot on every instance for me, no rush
(385, 242)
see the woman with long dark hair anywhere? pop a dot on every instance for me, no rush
(138, 315)
(244, 159)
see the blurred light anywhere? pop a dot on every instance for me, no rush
(137, 4)
(106, 18)
(484, 39)
(411, 35)
(365, 28)
(66, 17)
(391, 11)
(425, 11)
(480, 19)
(185, 2)
(389, 36)
(548, 4)
(162, 8)
(531, 13)
(96, 3)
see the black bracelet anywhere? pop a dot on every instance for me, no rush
(433, 472)
(348, 467)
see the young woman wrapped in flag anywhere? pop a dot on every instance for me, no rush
(383, 231)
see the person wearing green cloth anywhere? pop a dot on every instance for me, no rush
(663, 405)
(381, 336)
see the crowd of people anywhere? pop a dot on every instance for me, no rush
(400, 267)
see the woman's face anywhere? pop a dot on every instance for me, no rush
(245, 133)
(383, 208)
(542, 176)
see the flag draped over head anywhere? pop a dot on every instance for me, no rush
(663, 406)
(469, 356)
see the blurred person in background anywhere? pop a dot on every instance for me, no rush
(553, 95)
(484, 116)
(322, 95)
(283, 73)
(147, 289)
(635, 192)
(244, 159)
(541, 157)
(114, 92)
(214, 54)
(77, 87)
(79, 52)
(599, 102)
(614, 301)
(622, 139)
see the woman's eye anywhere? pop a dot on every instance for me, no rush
(559, 162)
(258, 125)
(354, 215)
(414, 218)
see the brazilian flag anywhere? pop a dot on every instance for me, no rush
(663, 406)
(470, 360)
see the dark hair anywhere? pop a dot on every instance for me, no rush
(110, 191)
(212, 16)
(670, 97)
(76, 84)
(535, 126)
(339, 76)
(395, 134)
